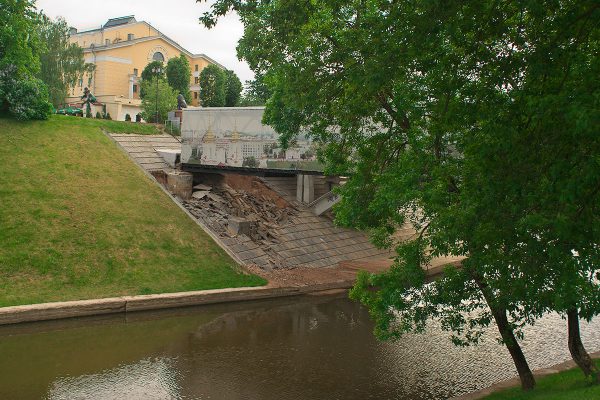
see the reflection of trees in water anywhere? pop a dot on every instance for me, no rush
(320, 346)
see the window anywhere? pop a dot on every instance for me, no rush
(158, 56)
(196, 67)
(80, 82)
(107, 42)
(130, 36)
(135, 72)
(134, 88)
(196, 80)
(195, 95)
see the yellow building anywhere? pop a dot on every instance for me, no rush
(120, 50)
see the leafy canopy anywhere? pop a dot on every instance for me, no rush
(178, 75)
(149, 75)
(212, 86)
(22, 95)
(233, 89)
(159, 100)
(62, 62)
(475, 122)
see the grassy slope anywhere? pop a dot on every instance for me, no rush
(79, 220)
(567, 385)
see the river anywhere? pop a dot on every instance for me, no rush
(315, 347)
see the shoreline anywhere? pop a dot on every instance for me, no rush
(514, 382)
(126, 304)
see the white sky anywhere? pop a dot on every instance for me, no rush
(178, 19)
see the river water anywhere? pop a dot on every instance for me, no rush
(295, 348)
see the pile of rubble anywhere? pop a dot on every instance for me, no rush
(231, 212)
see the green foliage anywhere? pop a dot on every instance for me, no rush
(212, 87)
(98, 115)
(178, 76)
(158, 102)
(148, 75)
(474, 122)
(107, 116)
(20, 48)
(27, 99)
(233, 89)
(62, 63)
(20, 45)
(256, 92)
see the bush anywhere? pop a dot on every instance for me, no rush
(107, 116)
(138, 117)
(127, 117)
(98, 115)
(27, 98)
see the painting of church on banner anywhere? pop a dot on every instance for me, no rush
(236, 137)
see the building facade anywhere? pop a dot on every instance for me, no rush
(120, 50)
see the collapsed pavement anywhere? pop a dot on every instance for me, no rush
(262, 223)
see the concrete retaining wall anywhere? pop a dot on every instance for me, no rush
(81, 308)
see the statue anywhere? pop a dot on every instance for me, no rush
(88, 98)
(181, 102)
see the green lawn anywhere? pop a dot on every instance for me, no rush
(79, 220)
(109, 125)
(567, 385)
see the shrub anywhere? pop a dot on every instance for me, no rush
(138, 117)
(98, 115)
(27, 98)
(107, 116)
(127, 117)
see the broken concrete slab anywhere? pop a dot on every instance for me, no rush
(200, 194)
(171, 156)
(202, 186)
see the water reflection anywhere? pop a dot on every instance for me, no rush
(300, 348)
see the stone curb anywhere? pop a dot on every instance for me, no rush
(124, 304)
(513, 382)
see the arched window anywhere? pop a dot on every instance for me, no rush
(158, 56)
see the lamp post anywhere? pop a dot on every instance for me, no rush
(156, 71)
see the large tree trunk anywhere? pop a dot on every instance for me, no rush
(580, 356)
(510, 341)
(508, 337)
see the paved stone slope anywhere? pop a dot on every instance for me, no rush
(142, 148)
(314, 241)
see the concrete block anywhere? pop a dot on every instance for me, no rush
(239, 226)
(180, 183)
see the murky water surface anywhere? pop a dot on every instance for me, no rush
(298, 348)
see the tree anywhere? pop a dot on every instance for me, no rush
(233, 89)
(62, 63)
(21, 93)
(149, 75)
(450, 118)
(178, 76)
(212, 87)
(158, 102)
(256, 92)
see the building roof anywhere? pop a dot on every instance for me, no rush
(115, 22)
(119, 21)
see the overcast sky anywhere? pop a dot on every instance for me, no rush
(178, 19)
